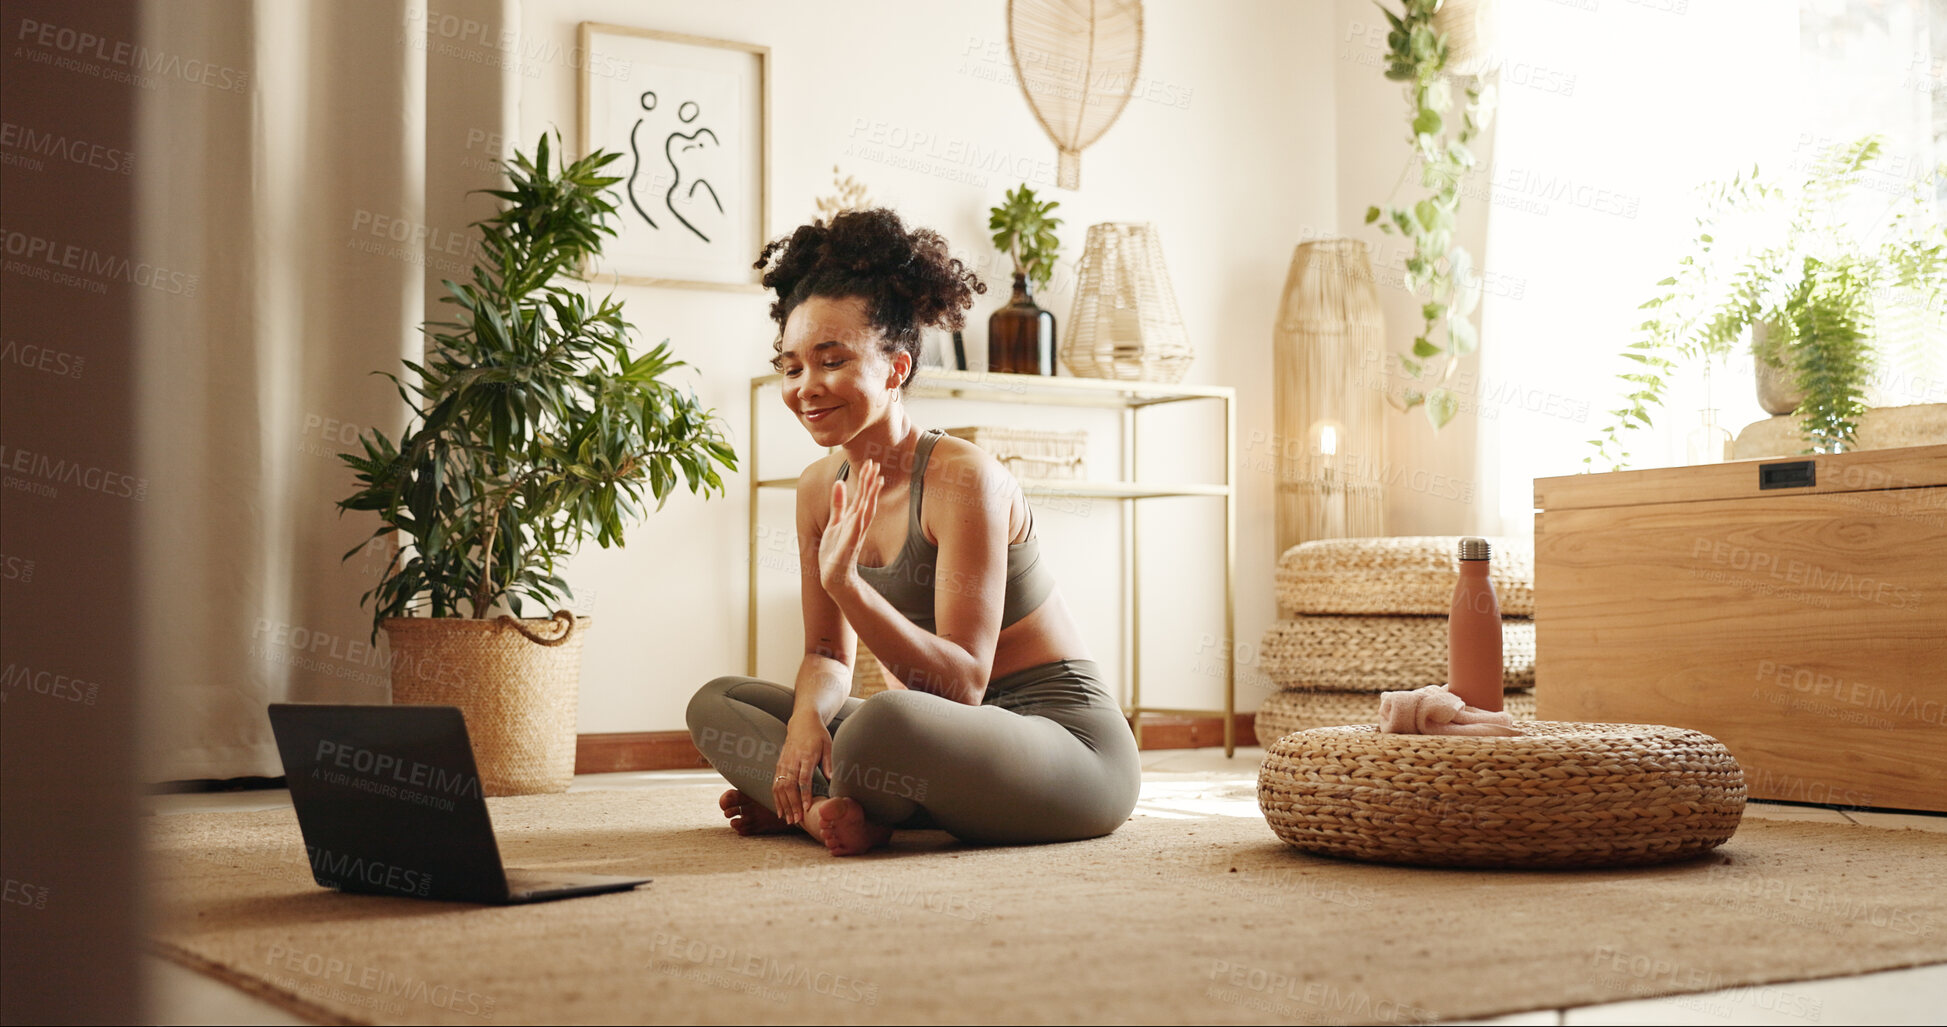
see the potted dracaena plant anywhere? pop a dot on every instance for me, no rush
(534, 428)
(1806, 277)
(1021, 335)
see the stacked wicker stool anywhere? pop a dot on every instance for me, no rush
(1558, 795)
(1361, 616)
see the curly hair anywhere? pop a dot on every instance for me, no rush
(906, 278)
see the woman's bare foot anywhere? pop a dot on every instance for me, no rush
(748, 816)
(842, 825)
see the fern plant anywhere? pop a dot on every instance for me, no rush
(535, 425)
(1829, 312)
(1814, 283)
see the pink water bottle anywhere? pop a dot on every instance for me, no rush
(1474, 632)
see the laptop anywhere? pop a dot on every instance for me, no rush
(390, 804)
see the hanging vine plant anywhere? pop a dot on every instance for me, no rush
(1438, 272)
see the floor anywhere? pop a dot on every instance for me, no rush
(1191, 782)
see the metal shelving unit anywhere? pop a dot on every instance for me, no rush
(1129, 397)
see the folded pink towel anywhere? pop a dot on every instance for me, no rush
(1434, 710)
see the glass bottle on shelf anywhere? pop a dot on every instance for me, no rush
(1709, 443)
(1021, 335)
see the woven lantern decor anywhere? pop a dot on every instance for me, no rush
(1077, 63)
(1331, 428)
(1125, 323)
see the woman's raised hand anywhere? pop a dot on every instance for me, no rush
(852, 512)
(807, 746)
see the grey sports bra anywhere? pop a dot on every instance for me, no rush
(909, 580)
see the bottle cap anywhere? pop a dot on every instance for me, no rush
(1472, 548)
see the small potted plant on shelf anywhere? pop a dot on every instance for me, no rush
(1808, 290)
(1021, 335)
(534, 428)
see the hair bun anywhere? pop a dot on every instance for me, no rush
(909, 279)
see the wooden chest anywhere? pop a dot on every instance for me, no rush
(1794, 608)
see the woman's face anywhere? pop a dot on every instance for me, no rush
(836, 379)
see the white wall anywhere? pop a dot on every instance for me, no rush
(1231, 156)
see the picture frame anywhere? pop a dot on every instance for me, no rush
(691, 117)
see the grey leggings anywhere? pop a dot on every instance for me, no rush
(1047, 756)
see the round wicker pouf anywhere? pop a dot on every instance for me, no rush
(1283, 712)
(1561, 794)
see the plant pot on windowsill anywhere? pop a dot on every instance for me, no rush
(1778, 393)
(517, 683)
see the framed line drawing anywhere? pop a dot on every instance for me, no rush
(691, 117)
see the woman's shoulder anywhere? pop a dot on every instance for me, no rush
(815, 481)
(956, 463)
(959, 471)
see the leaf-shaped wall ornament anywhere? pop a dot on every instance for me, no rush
(1077, 61)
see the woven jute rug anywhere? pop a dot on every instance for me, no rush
(1183, 915)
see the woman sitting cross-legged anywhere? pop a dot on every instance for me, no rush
(997, 727)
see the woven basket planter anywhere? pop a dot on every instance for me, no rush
(517, 689)
(1281, 713)
(1031, 452)
(1379, 654)
(1407, 574)
(1560, 795)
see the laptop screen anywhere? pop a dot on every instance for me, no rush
(389, 800)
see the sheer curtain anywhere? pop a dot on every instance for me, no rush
(310, 199)
(1610, 116)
